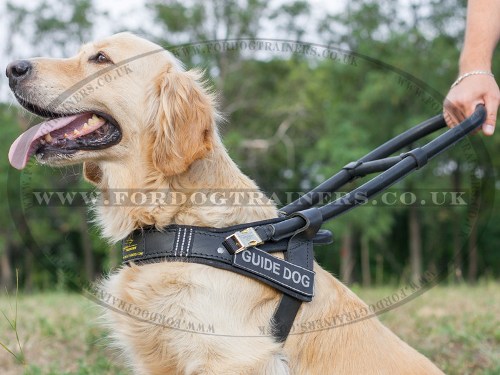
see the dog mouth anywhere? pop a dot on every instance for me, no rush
(60, 136)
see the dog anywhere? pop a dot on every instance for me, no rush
(138, 120)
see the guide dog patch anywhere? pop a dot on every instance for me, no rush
(280, 271)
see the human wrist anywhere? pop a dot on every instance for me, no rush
(472, 73)
(470, 67)
(467, 64)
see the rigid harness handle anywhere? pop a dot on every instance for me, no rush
(371, 162)
(397, 171)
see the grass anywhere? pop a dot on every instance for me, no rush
(19, 356)
(59, 334)
(457, 327)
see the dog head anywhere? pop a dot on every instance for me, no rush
(118, 98)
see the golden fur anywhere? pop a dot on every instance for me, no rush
(170, 142)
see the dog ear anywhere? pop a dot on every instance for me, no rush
(182, 121)
(92, 172)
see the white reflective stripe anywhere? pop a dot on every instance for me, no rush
(189, 240)
(183, 239)
(177, 236)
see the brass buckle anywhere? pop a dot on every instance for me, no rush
(245, 238)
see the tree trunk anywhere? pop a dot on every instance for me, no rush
(457, 247)
(379, 270)
(472, 274)
(6, 280)
(28, 270)
(365, 262)
(88, 256)
(114, 257)
(346, 256)
(415, 244)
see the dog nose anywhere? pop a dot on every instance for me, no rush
(17, 71)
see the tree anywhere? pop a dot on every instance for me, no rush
(293, 119)
(59, 30)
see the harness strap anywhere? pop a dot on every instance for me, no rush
(309, 220)
(204, 245)
(293, 276)
(287, 309)
(284, 316)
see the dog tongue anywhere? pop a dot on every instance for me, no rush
(25, 145)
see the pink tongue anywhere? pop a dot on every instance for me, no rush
(25, 145)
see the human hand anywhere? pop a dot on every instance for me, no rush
(462, 100)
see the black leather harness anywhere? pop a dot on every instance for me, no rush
(246, 249)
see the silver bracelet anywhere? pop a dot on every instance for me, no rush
(473, 73)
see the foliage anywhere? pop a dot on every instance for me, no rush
(293, 119)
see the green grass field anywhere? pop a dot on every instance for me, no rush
(457, 327)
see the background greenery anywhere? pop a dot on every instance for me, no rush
(292, 121)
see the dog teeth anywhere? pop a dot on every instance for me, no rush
(48, 137)
(94, 120)
(66, 135)
(76, 132)
(86, 126)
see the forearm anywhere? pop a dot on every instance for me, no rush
(482, 35)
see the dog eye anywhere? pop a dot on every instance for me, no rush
(100, 58)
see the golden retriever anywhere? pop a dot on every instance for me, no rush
(156, 130)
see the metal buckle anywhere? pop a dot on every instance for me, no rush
(245, 238)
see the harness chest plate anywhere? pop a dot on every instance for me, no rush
(293, 276)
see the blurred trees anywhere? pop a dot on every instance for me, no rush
(294, 119)
(58, 28)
